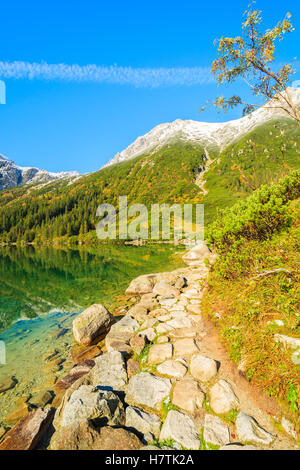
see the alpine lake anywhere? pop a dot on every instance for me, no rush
(41, 292)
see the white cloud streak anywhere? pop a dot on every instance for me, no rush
(137, 77)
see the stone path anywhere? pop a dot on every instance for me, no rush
(167, 378)
(184, 370)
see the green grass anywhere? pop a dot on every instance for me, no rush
(166, 406)
(206, 445)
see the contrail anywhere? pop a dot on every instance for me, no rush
(137, 77)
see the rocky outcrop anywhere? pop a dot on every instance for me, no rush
(12, 175)
(92, 324)
(7, 383)
(207, 135)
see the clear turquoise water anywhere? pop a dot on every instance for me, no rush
(41, 290)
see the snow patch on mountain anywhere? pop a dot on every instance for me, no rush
(217, 135)
(12, 175)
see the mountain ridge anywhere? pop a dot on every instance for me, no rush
(12, 175)
(209, 135)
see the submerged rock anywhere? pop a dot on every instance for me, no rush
(7, 383)
(92, 324)
(41, 399)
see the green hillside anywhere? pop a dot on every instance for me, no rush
(261, 157)
(254, 287)
(62, 211)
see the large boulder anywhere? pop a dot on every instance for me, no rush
(248, 430)
(88, 402)
(81, 435)
(180, 428)
(27, 433)
(197, 254)
(148, 390)
(110, 371)
(203, 368)
(142, 422)
(223, 398)
(141, 285)
(92, 324)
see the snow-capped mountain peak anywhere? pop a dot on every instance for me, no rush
(217, 135)
(12, 175)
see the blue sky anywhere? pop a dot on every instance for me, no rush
(72, 125)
